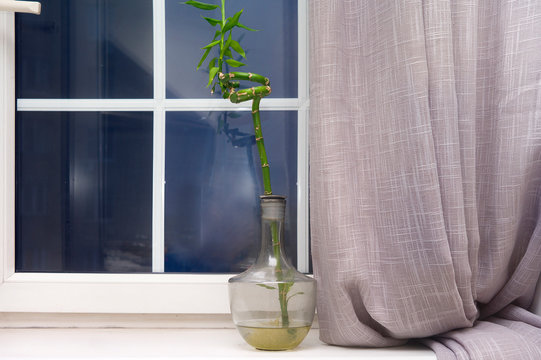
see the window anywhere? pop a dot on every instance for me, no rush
(153, 117)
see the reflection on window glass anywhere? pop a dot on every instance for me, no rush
(86, 49)
(84, 192)
(213, 183)
(271, 52)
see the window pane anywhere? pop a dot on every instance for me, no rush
(271, 52)
(213, 183)
(84, 192)
(85, 49)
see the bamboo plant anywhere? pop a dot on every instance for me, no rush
(228, 83)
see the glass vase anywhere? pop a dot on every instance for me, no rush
(272, 304)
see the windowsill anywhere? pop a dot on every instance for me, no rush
(174, 343)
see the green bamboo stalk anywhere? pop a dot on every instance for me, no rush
(283, 288)
(261, 146)
(222, 37)
(256, 94)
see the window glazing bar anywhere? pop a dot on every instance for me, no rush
(31, 7)
(273, 104)
(158, 187)
(85, 104)
(303, 215)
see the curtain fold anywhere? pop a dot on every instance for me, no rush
(425, 172)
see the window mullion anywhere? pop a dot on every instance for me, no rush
(158, 187)
(303, 220)
(7, 145)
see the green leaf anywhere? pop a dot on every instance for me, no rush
(297, 293)
(211, 21)
(234, 63)
(237, 16)
(228, 53)
(228, 26)
(212, 74)
(203, 58)
(212, 63)
(201, 5)
(231, 22)
(267, 286)
(236, 46)
(245, 27)
(212, 44)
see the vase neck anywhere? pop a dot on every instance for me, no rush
(273, 208)
(272, 231)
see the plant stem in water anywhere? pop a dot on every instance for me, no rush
(283, 288)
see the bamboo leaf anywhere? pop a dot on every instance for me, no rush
(203, 58)
(228, 53)
(216, 34)
(245, 27)
(212, 73)
(201, 5)
(212, 63)
(212, 44)
(298, 293)
(236, 46)
(234, 63)
(227, 26)
(237, 16)
(267, 286)
(211, 21)
(231, 22)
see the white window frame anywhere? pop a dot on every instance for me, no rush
(156, 293)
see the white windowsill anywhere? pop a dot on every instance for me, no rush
(174, 343)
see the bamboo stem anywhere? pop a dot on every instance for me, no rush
(238, 75)
(229, 81)
(255, 94)
(282, 287)
(261, 146)
(221, 60)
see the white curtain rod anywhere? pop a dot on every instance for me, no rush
(32, 7)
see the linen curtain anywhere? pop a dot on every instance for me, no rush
(425, 173)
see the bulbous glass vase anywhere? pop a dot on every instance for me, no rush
(272, 303)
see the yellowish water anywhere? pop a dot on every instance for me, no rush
(273, 338)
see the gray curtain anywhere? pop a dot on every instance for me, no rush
(425, 180)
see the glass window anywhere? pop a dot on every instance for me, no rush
(104, 190)
(84, 185)
(212, 194)
(271, 52)
(85, 49)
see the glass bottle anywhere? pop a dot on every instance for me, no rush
(272, 304)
